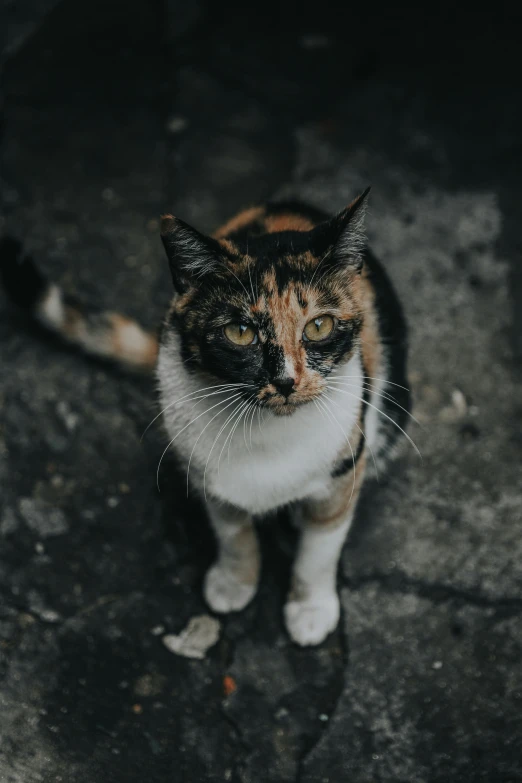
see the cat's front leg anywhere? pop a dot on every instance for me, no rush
(312, 609)
(231, 583)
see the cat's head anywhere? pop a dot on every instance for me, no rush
(276, 311)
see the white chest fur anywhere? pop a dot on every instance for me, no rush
(273, 462)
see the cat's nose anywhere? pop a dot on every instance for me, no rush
(284, 386)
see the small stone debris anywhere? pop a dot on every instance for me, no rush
(229, 685)
(201, 633)
(315, 41)
(437, 665)
(458, 408)
(176, 124)
(48, 615)
(108, 194)
(42, 518)
(8, 522)
(69, 418)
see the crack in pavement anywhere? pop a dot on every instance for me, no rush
(398, 582)
(304, 756)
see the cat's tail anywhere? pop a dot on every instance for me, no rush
(100, 333)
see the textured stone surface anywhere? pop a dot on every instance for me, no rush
(432, 693)
(108, 122)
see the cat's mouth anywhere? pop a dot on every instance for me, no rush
(282, 406)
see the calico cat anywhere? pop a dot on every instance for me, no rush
(281, 367)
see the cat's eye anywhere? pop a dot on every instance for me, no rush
(240, 334)
(318, 329)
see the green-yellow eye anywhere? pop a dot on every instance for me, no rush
(240, 334)
(319, 328)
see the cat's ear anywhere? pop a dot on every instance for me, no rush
(191, 255)
(343, 239)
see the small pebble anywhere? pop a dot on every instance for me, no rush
(157, 630)
(459, 402)
(176, 124)
(229, 685)
(323, 717)
(49, 615)
(113, 502)
(437, 665)
(315, 41)
(42, 518)
(201, 633)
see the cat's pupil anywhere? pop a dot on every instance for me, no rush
(318, 323)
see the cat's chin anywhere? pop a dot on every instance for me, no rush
(286, 408)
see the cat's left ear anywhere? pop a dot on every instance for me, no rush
(191, 255)
(343, 238)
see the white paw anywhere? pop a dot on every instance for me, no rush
(224, 592)
(310, 621)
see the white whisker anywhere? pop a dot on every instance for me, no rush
(233, 398)
(382, 380)
(243, 413)
(363, 435)
(229, 418)
(178, 434)
(254, 407)
(336, 421)
(223, 386)
(384, 395)
(343, 391)
(236, 412)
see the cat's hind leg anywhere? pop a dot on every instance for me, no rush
(231, 583)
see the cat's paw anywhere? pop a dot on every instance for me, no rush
(224, 592)
(310, 621)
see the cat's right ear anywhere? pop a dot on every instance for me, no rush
(191, 255)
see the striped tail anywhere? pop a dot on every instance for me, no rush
(99, 333)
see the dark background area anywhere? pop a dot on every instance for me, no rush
(113, 113)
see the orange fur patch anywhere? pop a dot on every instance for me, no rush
(287, 222)
(239, 221)
(334, 510)
(131, 344)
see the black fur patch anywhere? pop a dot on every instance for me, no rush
(394, 337)
(22, 281)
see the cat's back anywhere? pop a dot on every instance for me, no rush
(271, 218)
